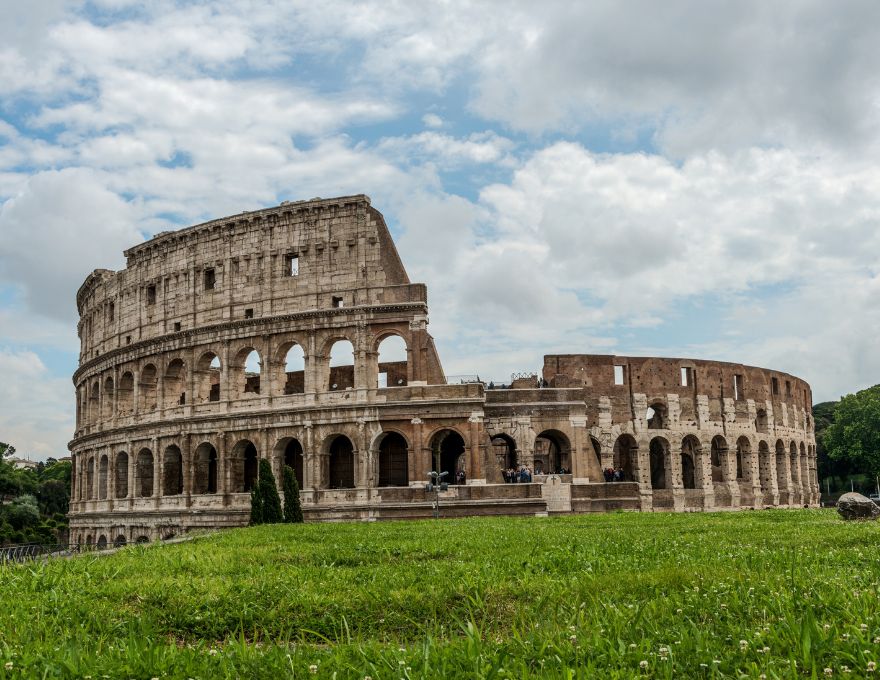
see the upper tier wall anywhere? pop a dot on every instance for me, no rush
(309, 255)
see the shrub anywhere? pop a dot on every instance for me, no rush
(269, 494)
(256, 505)
(292, 508)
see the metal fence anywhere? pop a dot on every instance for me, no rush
(27, 552)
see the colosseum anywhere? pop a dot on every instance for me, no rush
(294, 334)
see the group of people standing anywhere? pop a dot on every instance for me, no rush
(614, 474)
(513, 476)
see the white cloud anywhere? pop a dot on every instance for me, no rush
(36, 409)
(432, 120)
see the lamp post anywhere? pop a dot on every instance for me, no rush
(436, 485)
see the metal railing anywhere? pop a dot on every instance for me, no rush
(27, 552)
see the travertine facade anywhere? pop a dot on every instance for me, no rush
(172, 415)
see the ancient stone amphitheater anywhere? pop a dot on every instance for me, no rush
(294, 334)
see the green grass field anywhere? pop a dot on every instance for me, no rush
(781, 593)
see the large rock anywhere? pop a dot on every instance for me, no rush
(856, 506)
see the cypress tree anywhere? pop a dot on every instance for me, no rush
(269, 492)
(292, 508)
(256, 505)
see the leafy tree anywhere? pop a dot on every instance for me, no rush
(23, 513)
(269, 492)
(54, 497)
(292, 507)
(854, 436)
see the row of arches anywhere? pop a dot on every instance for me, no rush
(175, 383)
(334, 466)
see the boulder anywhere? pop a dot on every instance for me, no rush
(856, 506)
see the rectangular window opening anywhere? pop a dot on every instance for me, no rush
(686, 378)
(774, 383)
(151, 295)
(291, 268)
(338, 302)
(210, 279)
(249, 314)
(177, 326)
(111, 312)
(788, 388)
(383, 379)
(737, 387)
(618, 375)
(127, 339)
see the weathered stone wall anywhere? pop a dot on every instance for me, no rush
(172, 419)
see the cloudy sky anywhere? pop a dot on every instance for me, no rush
(679, 178)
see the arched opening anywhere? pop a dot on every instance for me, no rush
(743, 449)
(144, 473)
(552, 453)
(504, 448)
(290, 451)
(246, 373)
(107, 404)
(90, 479)
(89, 540)
(245, 462)
(103, 471)
(447, 455)
(718, 458)
(625, 456)
(393, 460)
(795, 467)
(690, 452)
(205, 469)
(119, 542)
(125, 394)
(341, 366)
(172, 472)
(656, 416)
(175, 384)
(658, 452)
(392, 362)
(294, 359)
(148, 388)
(102, 542)
(208, 370)
(341, 470)
(142, 539)
(761, 421)
(120, 475)
(95, 402)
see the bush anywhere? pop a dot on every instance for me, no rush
(256, 505)
(269, 493)
(292, 508)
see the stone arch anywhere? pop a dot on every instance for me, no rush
(761, 421)
(120, 541)
(743, 457)
(245, 373)
(691, 450)
(172, 471)
(392, 367)
(393, 460)
(125, 394)
(504, 449)
(120, 474)
(341, 365)
(205, 469)
(658, 452)
(553, 450)
(148, 388)
(289, 452)
(90, 478)
(207, 378)
(291, 359)
(657, 415)
(107, 404)
(143, 477)
(718, 458)
(102, 542)
(89, 540)
(174, 388)
(141, 540)
(340, 463)
(103, 475)
(448, 454)
(625, 456)
(245, 466)
(95, 402)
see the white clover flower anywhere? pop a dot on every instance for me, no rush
(743, 644)
(829, 672)
(871, 667)
(572, 639)
(643, 664)
(8, 665)
(313, 669)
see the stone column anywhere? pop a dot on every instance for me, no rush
(579, 466)
(703, 476)
(415, 463)
(643, 454)
(474, 452)
(186, 462)
(673, 478)
(157, 471)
